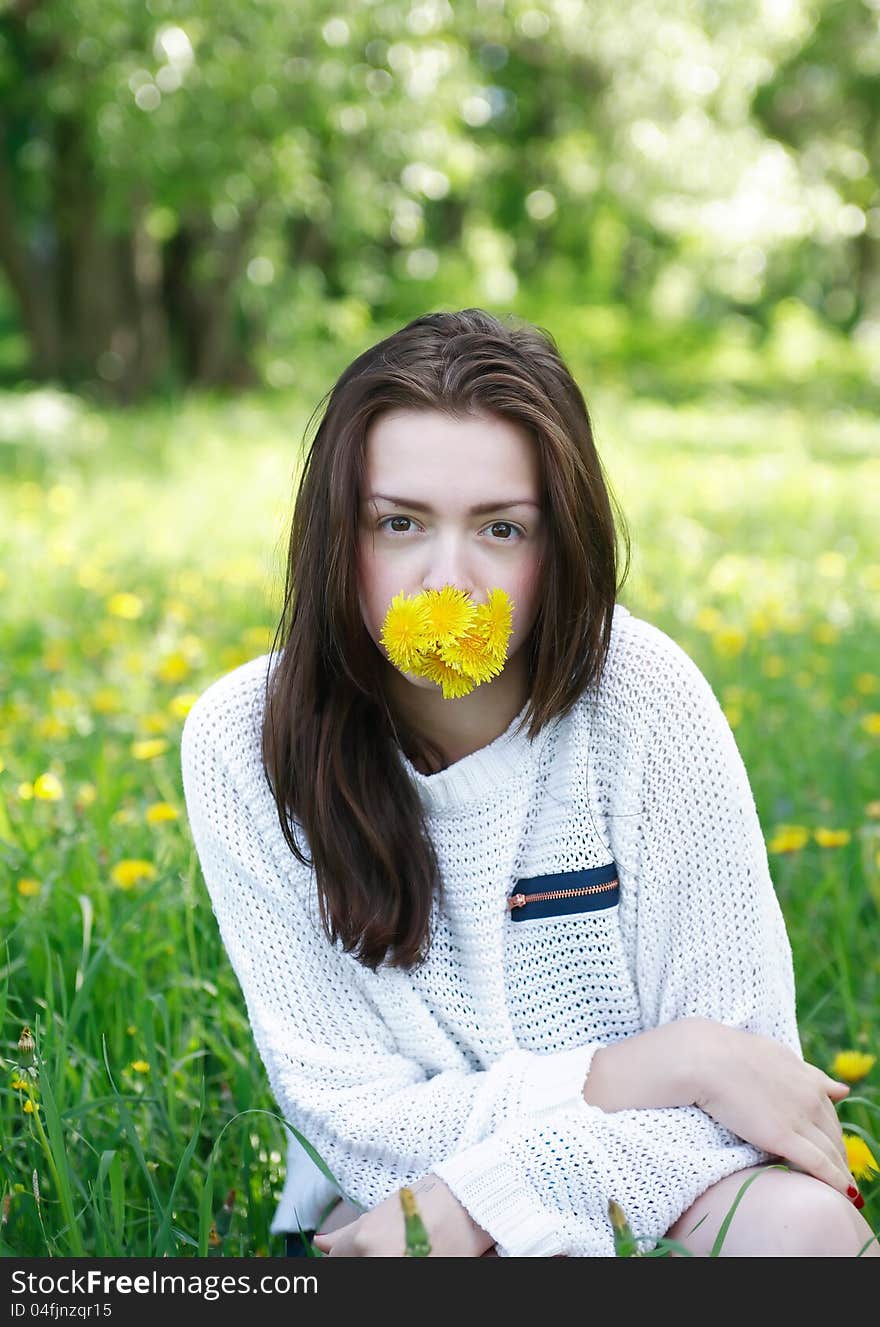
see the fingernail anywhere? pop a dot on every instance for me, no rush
(858, 1203)
(852, 1192)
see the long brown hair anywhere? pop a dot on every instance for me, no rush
(329, 738)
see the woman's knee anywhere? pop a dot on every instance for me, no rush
(781, 1214)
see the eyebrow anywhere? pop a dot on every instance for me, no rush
(481, 507)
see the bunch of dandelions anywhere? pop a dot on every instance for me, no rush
(445, 636)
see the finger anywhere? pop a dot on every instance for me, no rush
(834, 1129)
(826, 1164)
(836, 1089)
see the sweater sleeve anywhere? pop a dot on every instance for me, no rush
(377, 1118)
(707, 938)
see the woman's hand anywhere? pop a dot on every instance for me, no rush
(767, 1095)
(379, 1233)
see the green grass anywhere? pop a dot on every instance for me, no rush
(754, 543)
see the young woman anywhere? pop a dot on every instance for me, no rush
(517, 951)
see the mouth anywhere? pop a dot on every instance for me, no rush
(446, 637)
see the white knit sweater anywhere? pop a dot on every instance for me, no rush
(473, 1066)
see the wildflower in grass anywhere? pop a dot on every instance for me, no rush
(149, 748)
(728, 642)
(860, 1158)
(825, 633)
(156, 722)
(867, 684)
(788, 838)
(28, 888)
(173, 668)
(85, 796)
(107, 700)
(131, 871)
(873, 810)
(30, 1107)
(55, 657)
(733, 714)
(19, 1085)
(871, 724)
(707, 619)
(124, 605)
(25, 792)
(161, 811)
(26, 1043)
(48, 788)
(140, 1066)
(831, 838)
(852, 1065)
(624, 1241)
(51, 727)
(181, 704)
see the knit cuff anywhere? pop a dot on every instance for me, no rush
(487, 1183)
(557, 1079)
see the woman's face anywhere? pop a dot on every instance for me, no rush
(419, 527)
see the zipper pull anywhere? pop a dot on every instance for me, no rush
(516, 901)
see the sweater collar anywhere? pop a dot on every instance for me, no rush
(475, 777)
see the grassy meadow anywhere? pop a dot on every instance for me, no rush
(142, 557)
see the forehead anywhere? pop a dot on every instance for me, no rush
(421, 453)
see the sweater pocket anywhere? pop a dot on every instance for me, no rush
(565, 893)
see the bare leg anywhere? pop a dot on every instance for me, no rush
(782, 1214)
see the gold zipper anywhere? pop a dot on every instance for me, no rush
(520, 900)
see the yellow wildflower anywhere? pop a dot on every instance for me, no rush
(859, 1157)
(48, 788)
(124, 605)
(85, 795)
(30, 1107)
(181, 704)
(148, 748)
(406, 630)
(788, 838)
(154, 722)
(19, 1084)
(29, 888)
(173, 668)
(131, 871)
(25, 791)
(773, 665)
(867, 683)
(825, 633)
(871, 724)
(873, 810)
(728, 642)
(107, 700)
(160, 811)
(444, 636)
(707, 619)
(140, 1066)
(852, 1065)
(832, 838)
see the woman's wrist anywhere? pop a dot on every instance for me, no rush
(656, 1068)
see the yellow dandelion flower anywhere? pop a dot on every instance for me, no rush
(451, 613)
(832, 838)
(859, 1157)
(140, 1066)
(867, 684)
(788, 838)
(160, 811)
(149, 748)
(25, 792)
(728, 642)
(852, 1065)
(30, 1107)
(48, 788)
(871, 724)
(62, 698)
(707, 619)
(107, 700)
(733, 714)
(51, 727)
(29, 888)
(406, 630)
(773, 666)
(173, 668)
(154, 722)
(19, 1084)
(124, 605)
(131, 871)
(495, 621)
(181, 704)
(824, 633)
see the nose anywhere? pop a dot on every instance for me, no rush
(448, 568)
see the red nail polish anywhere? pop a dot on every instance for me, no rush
(859, 1202)
(852, 1192)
